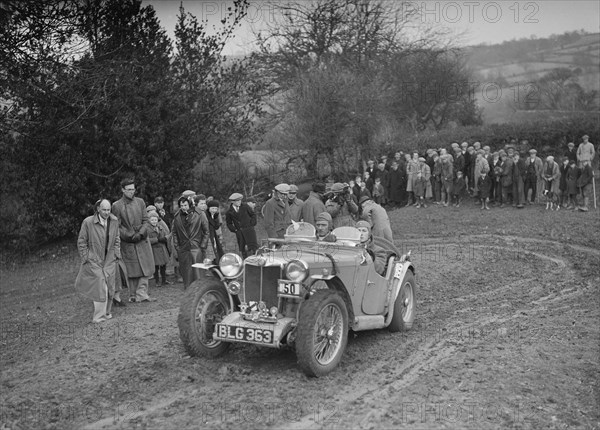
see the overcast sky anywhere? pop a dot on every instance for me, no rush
(482, 21)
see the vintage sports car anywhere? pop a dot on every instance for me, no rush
(300, 293)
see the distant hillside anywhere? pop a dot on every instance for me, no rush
(516, 64)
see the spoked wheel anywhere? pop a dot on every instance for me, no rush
(204, 305)
(405, 306)
(322, 333)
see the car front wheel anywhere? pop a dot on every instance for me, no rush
(405, 306)
(322, 333)
(205, 304)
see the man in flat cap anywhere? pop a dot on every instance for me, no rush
(586, 151)
(241, 220)
(313, 205)
(377, 217)
(533, 173)
(295, 203)
(341, 205)
(277, 212)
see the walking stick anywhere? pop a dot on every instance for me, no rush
(594, 189)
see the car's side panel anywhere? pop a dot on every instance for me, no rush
(375, 294)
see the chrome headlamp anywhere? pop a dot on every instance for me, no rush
(231, 265)
(296, 270)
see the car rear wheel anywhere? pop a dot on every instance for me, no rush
(204, 304)
(405, 306)
(322, 333)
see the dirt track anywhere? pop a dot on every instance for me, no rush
(507, 336)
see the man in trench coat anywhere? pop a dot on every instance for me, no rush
(99, 247)
(135, 245)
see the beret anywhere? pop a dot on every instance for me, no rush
(213, 204)
(363, 223)
(325, 216)
(282, 188)
(293, 188)
(363, 199)
(337, 187)
(150, 208)
(235, 196)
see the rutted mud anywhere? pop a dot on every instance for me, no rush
(506, 335)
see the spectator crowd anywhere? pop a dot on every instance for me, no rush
(126, 244)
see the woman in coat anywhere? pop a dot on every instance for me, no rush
(99, 247)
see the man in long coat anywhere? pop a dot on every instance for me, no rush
(99, 247)
(277, 212)
(397, 179)
(241, 220)
(190, 238)
(135, 245)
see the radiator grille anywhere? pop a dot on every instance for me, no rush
(252, 284)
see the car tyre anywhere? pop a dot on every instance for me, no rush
(204, 304)
(322, 333)
(405, 306)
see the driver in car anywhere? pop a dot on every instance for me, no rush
(377, 253)
(324, 225)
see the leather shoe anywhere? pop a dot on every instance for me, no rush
(119, 303)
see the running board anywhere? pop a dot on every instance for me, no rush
(368, 322)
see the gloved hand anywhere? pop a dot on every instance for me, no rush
(136, 238)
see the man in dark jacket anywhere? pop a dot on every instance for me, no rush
(397, 180)
(190, 238)
(314, 205)
(506, 178)
(519, 174)
(241, 220)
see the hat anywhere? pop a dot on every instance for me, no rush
(363, 223)
(532, 151)
(282, 188)
(502, 152)
(585, 136)
(422, 159)
(188, 193)
(570, 144)
(324, 216)
(338, 187)
(370, 162)
(159, 199)
(153, 213)
(318, 187)
(150, 208)
(293, 188)
(235, 196)
(381, 165)
(454, 144)
(213, 204)
(363, 199)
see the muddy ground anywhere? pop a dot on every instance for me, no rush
(507, 336)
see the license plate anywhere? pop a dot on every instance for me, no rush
(289, 288)
(244, 334)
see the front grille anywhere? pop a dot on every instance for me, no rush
(254, 291)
